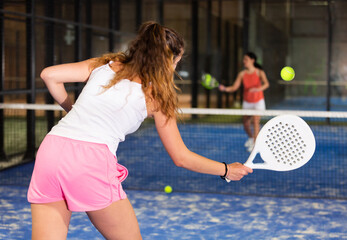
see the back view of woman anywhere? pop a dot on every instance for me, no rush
(76, 167)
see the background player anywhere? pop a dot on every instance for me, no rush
(254, 82)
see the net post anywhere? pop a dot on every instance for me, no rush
(31, 148)
(160, 11)
(31, 74)
(195, 52)
(2, 80)
(138, 11)
(114, 24)
(49, 60)
(208, 48)
(219, 51)
(3, 156)
(329, 30)
(226, 61)
(78, 36)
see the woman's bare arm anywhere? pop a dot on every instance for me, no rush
(233, 87)
(55, 77)
(183, 157)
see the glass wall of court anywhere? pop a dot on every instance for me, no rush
(311, 37)
(308, 35)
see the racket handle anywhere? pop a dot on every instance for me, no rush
(249, 162)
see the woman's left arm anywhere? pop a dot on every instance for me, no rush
(55, 77)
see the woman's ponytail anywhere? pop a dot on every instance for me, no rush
(150, 56)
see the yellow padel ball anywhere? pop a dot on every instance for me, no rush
(168, 189)
(287, 73)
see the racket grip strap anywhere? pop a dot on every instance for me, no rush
(226, 172)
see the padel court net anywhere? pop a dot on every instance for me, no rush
(214, 133)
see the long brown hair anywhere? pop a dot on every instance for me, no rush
(150, 56)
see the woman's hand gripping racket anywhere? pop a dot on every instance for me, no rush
(285, 143)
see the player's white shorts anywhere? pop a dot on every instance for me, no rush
(260, 105)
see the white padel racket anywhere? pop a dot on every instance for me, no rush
(284, 143)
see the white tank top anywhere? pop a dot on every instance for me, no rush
(104, 116)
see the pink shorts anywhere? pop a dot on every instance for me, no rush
(86, 175)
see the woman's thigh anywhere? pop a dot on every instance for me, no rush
(50, 220)
(117, 221)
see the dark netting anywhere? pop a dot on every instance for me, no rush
(212, 133)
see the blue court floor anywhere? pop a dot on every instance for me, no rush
(235, 214)
(198, 216)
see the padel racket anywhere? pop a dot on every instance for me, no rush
(208, 81)
(284, 143)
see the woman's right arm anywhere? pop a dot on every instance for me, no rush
(183, 157)
(55, 77)
(233, 87)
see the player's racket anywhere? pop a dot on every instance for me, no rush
(284, 143)
(208, 81)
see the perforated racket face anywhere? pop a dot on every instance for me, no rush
(285, 143)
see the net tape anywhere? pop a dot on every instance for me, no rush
(201, 111)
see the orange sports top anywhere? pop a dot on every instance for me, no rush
(251, 80)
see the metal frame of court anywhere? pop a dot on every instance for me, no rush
(31, 90)
(112, 30)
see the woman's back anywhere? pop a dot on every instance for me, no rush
(104, 115)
